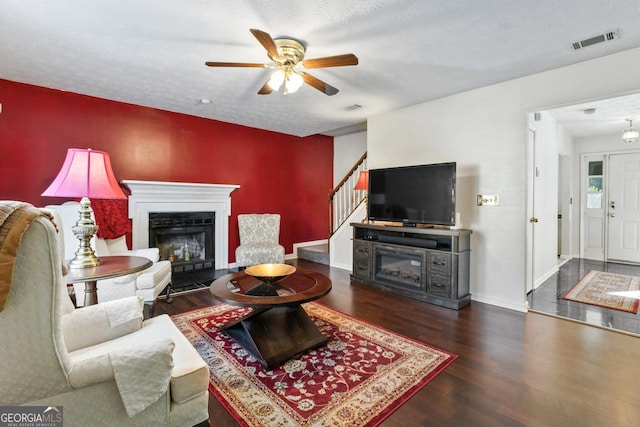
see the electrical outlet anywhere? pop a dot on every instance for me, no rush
(488, 200)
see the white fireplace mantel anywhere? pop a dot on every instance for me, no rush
(157, 196)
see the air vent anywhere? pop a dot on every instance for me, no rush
(600, 38)
(352, 107)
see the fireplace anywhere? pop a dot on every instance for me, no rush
(184, 238)
(400, 267)
(156, 197)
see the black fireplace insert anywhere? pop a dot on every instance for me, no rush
(184, 238)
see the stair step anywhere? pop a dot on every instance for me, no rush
(315, 253)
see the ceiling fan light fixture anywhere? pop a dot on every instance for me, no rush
(287, 56)
(632, 134)
(276, 80)
(293, 82)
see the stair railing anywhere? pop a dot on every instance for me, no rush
(343, 199)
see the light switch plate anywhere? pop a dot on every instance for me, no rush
(488, 200)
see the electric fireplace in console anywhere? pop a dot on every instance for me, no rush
(184, 238)
(401, 268)
(429, 264)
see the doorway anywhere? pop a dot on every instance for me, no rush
(598, 198)
(610, 188)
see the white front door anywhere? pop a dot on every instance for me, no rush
(593, 207)
(624, 208)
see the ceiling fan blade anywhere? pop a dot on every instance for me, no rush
(319, 84)
(331, 61)
(265, 89)
(267, 42)
(235, 64)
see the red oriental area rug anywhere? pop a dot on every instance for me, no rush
(359, 378)
(609, 290)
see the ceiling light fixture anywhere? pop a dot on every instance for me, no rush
(630, 135)
(292, 80)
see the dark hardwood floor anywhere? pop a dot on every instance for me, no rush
(513, 369)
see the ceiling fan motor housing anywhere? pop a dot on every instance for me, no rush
(291, 51)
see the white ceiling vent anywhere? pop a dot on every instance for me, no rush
(600, 38)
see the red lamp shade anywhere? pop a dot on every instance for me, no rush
(363, 181)
(86, 173)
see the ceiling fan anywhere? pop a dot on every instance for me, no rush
(288, 59)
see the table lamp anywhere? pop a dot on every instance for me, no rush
(85, 173)
(363, 181)
(363, 184)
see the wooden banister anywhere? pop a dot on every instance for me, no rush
(343, 199)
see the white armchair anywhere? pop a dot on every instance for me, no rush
(147, 284)
(259, 240)
(102, 364)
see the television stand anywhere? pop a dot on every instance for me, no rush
(428, 264)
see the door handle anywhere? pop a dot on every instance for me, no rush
(534, 219)
(612, 215)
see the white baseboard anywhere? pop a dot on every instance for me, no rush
(522, 307)
(545, 276)
(342, 267)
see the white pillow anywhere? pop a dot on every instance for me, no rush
(117, 246)
(101, 247)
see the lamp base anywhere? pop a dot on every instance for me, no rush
(84, 230)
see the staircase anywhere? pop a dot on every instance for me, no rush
(315, 253)
(343, 199)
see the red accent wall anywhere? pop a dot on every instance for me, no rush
(277, 173)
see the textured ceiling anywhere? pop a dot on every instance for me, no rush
(152, 53)
(609, 116)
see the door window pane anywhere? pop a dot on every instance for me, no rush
(594, 189)
(595, 184)
(595, 168)
(594, 200)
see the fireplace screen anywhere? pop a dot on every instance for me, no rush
(400, 268)
(184, 238)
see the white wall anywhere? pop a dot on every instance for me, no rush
(341, 243)
(566, 190)
(484, 131)
(611, 143)
(567, 205)
(347, 149)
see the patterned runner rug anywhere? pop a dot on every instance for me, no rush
(359, 378)
(609, 290)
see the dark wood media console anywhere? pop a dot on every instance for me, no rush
(429, 264)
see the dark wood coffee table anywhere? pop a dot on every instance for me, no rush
(278, 328)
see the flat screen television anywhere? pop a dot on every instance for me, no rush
(423, 194)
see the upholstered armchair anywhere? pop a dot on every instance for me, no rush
(147, 284)
(102, 364)
(259, 240)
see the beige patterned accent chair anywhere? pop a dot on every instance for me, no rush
(102, 364)
(259, 240)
